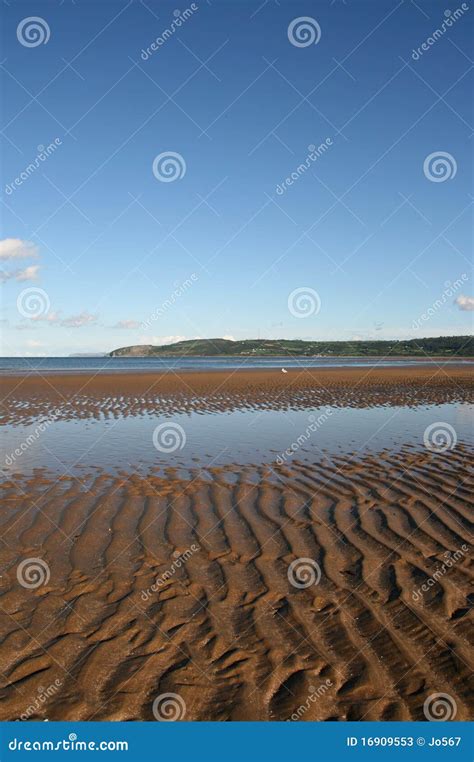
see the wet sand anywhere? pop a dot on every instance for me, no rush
(181, 585)
(119, 394)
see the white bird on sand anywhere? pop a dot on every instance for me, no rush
(283, 370)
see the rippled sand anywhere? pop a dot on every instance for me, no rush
(184, 585)
(85, 395)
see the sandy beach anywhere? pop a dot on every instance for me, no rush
(336, 589)
(80, 395)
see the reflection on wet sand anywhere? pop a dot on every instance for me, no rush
(336, 587)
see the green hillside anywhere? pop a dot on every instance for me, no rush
(443, 346)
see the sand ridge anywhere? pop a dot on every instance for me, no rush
(193, 581)
(118, 623)
(82, 396)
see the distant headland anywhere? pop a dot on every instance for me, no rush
(442, 346)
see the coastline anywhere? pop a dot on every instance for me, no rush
(224, 363)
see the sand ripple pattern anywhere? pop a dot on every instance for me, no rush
(106, 395)
(226, 632)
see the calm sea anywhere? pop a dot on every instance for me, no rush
(138, 364)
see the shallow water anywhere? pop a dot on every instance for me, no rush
(254, 493)
(212, 439)
(134, 364)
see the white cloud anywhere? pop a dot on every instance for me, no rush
(159, 340)
(78, 321)
(50, 317)
(465, 303)
(29, 273)
(34, 344)
(73, 321)
(127, 324)
(15, 248)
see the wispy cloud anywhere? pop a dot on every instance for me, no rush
(465, 303)
(28, 273)
(127, 324)
(73, 321)
(159, 340)
(15, 248)
(50, 317)
(78, 321)
(34, 344)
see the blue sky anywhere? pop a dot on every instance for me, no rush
(109, 245)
